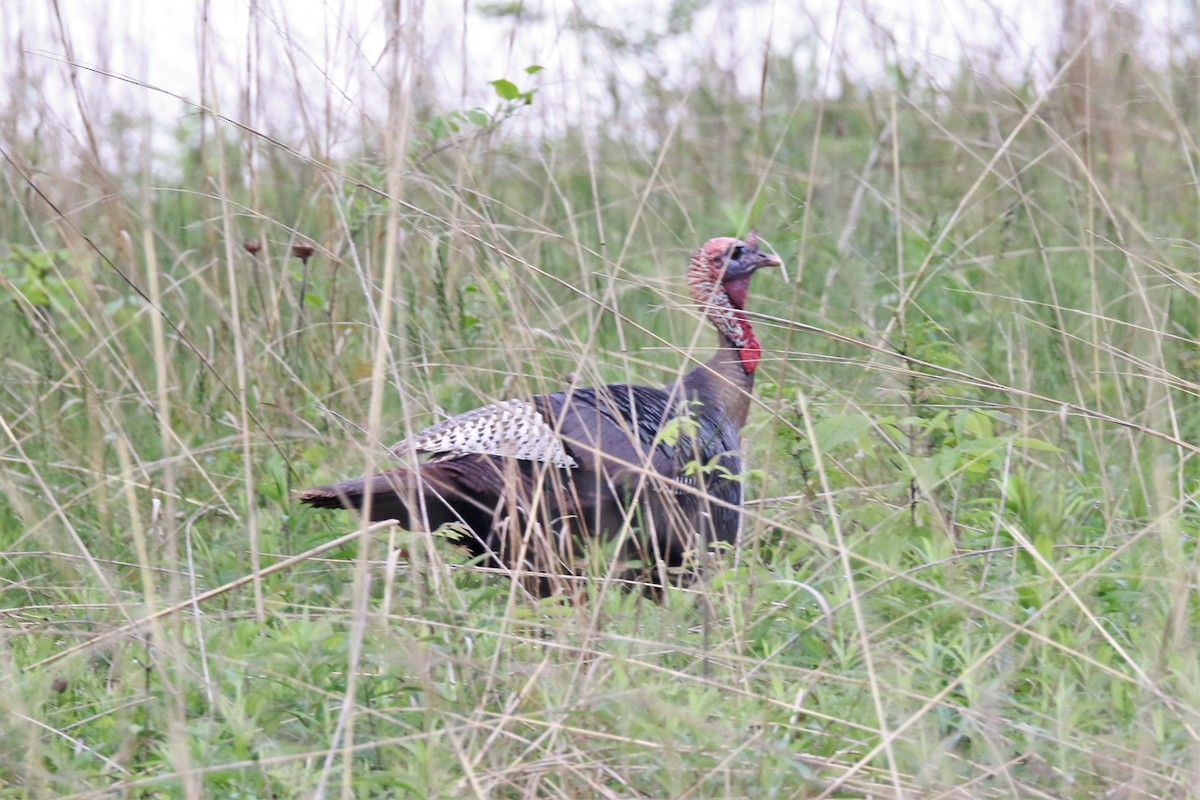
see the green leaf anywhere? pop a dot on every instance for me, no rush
(455, 532)
(839, 429)
(1028, 597)
(437, 127)
(978, 425)
(36, 294)
(675, 427)
(533, 69)
(506, 90)
(479, 118)
(1045, 546)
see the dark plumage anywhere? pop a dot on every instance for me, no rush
(528, 479)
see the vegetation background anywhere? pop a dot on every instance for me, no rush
(969, 567)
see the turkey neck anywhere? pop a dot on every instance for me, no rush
(723, 383)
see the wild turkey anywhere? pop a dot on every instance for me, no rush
(527, 480)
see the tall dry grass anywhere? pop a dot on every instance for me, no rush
(968, 567)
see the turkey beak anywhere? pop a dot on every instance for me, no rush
(769, 260)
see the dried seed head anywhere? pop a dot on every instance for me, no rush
(59, 685)
(252, 246)
(303, 251)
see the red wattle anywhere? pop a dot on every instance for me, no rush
(749, 355)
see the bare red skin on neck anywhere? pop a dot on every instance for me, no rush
(724, 302)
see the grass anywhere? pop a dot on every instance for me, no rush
(969, 564)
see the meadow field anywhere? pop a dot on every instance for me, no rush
(969, 563)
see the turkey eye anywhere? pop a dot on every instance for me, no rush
(737, 252)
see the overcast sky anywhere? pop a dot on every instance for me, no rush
(330, 52)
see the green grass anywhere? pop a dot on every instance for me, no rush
(969, 566)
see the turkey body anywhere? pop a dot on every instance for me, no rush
(526, 482)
